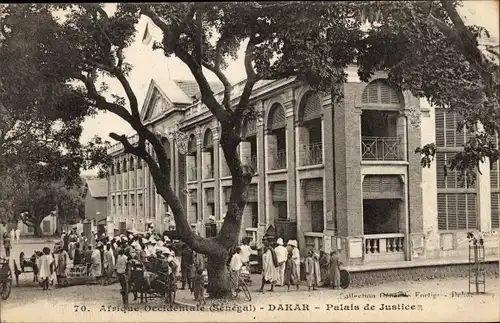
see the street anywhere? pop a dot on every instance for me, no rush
(436, 300)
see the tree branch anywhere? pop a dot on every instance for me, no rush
(467, 45)
(207, 95)
(252, 78)
(225, 81)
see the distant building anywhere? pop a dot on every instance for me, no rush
(96, 195)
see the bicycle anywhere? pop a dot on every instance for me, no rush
(242, 286)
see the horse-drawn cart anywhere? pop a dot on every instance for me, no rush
(148, 280)
(5, 278)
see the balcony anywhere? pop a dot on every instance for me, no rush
(312, 154)
(381, 148)
(279, 161)
(384, 247)
(208, 171)
(192, 174)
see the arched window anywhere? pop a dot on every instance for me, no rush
(112, 169)
(310, 107)
(276, 143)
(118, 169)
(124, 165)
(192, 145)
(311, 134)
(382, 126)
(276, 119)
(208, 155)
(192, 159)
(379, 93)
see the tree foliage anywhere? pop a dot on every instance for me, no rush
(424, 46)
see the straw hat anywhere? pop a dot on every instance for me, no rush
(279, 241)
(292, 243)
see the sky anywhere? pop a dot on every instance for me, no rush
(148, 64)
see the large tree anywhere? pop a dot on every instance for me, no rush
(425, 47)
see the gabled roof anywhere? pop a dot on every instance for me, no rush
(98, 187)
(193, 91)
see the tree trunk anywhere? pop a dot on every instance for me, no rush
(38, 230)
(218, 276)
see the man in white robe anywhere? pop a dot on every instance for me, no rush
(281, 254)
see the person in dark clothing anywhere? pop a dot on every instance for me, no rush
(77, 259)
(187, 262)
(88, 258)
(66, 242)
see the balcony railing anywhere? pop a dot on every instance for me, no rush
(312, 154)
(208, 171)
(381, 148)
(192, 175)
(279, 161)
(384, 243)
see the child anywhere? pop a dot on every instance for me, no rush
(46, 268)
(235, 265)
(291, 276)
(334, 268)
(199, 286)
(311, 265)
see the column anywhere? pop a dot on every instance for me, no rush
(262, 199)
(484, 197)
(290, 157)
(348, 190)
(199, 177)
(217, 187)
(329, 167)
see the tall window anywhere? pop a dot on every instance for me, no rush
(140, 199)
(125, 200)
(457, 201)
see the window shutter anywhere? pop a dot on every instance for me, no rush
(379, 92)
(495, 202)
(494, 175)
(442, 212)
(451, 129)
(314, 190)
(382, 187)
(210, 195)
(440, 163)
(310, 107)
(471, 211)
(452, 211)
(252, 193)
(277, 117)
(440, 128)
(317, 216)
(279, 191)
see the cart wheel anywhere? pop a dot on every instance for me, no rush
(6, 286)
(345, 278)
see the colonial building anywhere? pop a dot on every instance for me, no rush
(333, 175)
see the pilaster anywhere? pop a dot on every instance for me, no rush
(217, 187)
(261, 167)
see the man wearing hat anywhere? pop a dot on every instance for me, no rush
(293, 246)
(281, 254)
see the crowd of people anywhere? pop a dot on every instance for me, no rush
(281, 265)
(110, 259)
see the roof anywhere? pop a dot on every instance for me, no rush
(191, 89)
(172, 91)
(98, 187)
